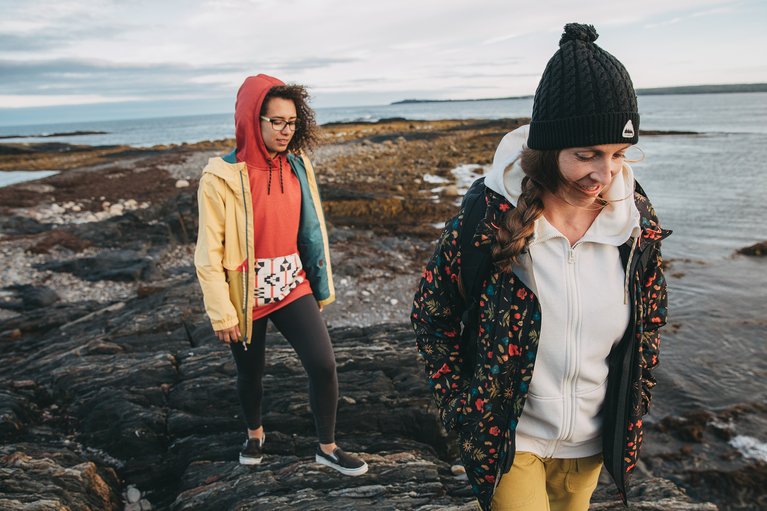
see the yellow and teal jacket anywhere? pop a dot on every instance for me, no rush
(225, 239)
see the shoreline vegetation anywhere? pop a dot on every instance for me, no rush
(33, 156)
(655, 91)
(115, 391)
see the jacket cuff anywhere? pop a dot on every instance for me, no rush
(225, 323)
(326, 301)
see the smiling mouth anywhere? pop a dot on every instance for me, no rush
(591, 189)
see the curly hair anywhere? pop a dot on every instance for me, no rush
(305, 137)
(518, 224)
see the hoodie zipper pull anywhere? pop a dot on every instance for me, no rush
(634, 244)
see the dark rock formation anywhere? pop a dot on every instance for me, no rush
(151, 394)
(704, 452)
(121, 265)
(25, 297)
(758, 249)
(140, 393)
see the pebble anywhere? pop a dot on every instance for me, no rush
(132, 494)
(38, 188)
(182, 183)
(450, 191)
(457, 470)
(394, 301)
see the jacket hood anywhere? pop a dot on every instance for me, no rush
(247, 125)
(617, 222)
(231, 173)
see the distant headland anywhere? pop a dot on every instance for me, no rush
(657, 91)
(60, 134)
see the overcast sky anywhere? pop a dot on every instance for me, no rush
(79, 60)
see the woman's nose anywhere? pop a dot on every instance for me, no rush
(605, 170)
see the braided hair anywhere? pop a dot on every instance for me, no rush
(517, 226)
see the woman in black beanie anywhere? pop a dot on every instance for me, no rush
(537, 317)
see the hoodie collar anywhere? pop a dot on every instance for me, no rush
(614, 225)
(247, 124)
(508, 183)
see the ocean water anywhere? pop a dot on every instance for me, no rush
(10, 177)
(708, 188)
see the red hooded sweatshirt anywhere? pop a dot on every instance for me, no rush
(276, 194)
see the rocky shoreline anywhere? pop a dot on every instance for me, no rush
(115, 394)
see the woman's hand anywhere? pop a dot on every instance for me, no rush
(227, 335)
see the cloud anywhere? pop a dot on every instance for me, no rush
(27, 101)
(82, 50)
(23, 43)
(86, 80)
(50, 25)
(710, 12)
(501, 38)
(664, 23)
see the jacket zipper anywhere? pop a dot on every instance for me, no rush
(574, 329)
(245, 276)
(627, 372)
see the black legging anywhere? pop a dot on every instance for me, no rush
(302, 325)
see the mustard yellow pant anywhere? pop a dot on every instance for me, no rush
(547, 484)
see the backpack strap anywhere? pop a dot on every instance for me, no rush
(475, 261)
(476, 264)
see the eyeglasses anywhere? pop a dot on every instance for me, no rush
(279, 124)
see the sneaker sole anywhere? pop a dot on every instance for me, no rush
(245, 460)
(345, 471)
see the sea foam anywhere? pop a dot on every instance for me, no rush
(750, 447)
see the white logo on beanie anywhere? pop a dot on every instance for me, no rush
(628, 130)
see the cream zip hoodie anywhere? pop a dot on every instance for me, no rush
(584, 312)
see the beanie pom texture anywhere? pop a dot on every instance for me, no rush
(579, 32)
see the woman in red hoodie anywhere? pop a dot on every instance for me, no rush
(262, 254)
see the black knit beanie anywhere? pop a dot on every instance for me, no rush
(585, 96)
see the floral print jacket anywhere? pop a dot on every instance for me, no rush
(481, 389)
